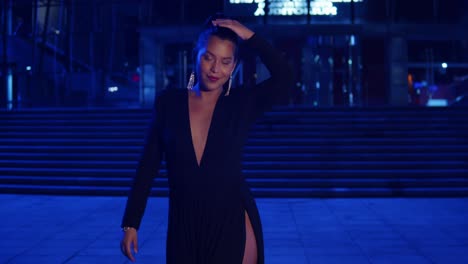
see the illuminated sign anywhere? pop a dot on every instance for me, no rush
(294, 7)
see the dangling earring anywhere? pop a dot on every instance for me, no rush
(191, 81)
(229, 86)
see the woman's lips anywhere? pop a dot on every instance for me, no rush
(213, 79)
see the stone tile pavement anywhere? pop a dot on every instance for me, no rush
(82, 230)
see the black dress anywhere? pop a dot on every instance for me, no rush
(207, 202)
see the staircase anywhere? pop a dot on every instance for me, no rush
(292, 152)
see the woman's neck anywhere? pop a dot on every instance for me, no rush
(206, 95)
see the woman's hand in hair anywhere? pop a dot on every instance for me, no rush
(242, 31)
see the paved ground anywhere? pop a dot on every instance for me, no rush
(58, 229)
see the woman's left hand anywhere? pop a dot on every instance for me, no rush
(242, 31)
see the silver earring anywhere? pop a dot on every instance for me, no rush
(191, 81)
(229, 86)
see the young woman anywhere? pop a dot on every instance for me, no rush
(213, 217)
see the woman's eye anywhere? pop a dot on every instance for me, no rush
(226, 62)
(207, 57)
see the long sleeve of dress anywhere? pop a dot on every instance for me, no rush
(275, 89)
(147, 169)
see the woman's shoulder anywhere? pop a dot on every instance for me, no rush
(242, 92)
(170, 94)
(239, 92)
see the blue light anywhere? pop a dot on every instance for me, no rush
(113, 89)
(352, 41)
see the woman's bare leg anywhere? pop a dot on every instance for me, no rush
(250, 252)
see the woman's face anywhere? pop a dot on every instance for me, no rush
(215, 63)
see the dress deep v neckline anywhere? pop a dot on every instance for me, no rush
(199, 165)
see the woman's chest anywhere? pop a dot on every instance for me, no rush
(222, 125)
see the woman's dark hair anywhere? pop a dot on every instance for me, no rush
(210, 30)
